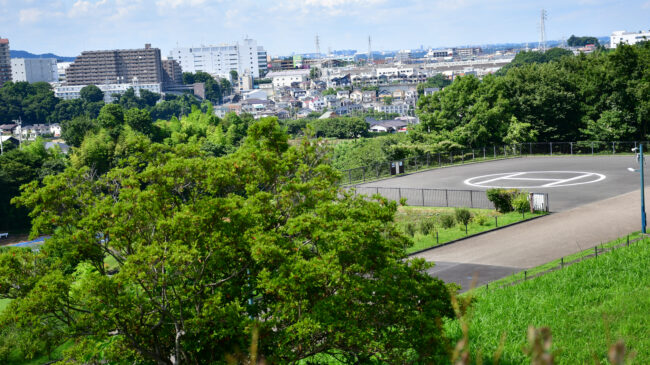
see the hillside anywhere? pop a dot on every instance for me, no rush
(24, 54)
(588, 306)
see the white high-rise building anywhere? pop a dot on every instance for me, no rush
(34, 69)
(622, 36)
(220, 60)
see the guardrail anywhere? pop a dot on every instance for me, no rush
(456, 157)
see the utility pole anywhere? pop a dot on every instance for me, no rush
(369, 50)
(542, 31)
(641, 168)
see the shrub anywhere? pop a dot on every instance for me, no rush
(481, 219)
(426, 226)
(520, 202)
(463, 216)
(502, 198)
(447, 220)
(409, 229)
(402, 201)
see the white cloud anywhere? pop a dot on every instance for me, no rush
(178, 3)
(30, 15)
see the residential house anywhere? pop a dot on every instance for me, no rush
(7, 128)
(431, 90)
(399, 108)
(389, 126)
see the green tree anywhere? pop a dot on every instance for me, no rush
(314, 73)
(74, 130)
(91, 94)
(207, 249)
(111, 117)
(139, 120)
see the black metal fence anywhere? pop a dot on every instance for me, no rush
(442, 197)
(456, 157)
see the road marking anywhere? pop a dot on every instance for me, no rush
(500, 179)
(567, 180)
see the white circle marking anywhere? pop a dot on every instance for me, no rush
(547, 182)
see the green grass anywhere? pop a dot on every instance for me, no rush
(417, 214)
(3, 304)
(588, 306)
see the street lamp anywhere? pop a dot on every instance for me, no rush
(640, 171)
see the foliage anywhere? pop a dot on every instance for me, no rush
(501, 198)
(20, 166)
(342, 127)
(91, 94)
(574, 41)
(427, 226)
(31, 103)
(208, 248)
(463, 216)
(520, 202)
(481, 219)
(74, 130)
(315, 73)
(409, 229)
(437, 81)
(447, 220)
(329, 91)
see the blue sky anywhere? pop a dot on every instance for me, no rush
(66, 27)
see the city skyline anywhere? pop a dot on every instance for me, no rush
(69, 27)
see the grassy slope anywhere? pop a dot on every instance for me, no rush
(588, 306)
(417, 214)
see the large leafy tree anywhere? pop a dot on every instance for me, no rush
(208, 250)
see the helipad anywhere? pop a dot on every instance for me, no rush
(569, 181)
(534, 179)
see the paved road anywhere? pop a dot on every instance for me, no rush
(512, 249)
(586, 214)
(614, 168)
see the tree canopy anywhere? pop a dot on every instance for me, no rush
(205, 251)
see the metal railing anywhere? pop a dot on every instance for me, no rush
(456, 157)
(442, 197)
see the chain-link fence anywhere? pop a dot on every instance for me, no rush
(456, 157)
(442, 197)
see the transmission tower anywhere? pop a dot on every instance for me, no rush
(317, 47)
(542, 31)
(369, 50)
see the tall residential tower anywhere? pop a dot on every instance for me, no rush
(5, 61)
(121, 66)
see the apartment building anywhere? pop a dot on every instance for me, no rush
(116, 67)
(5, 61)
(172, 73)
(220, 60)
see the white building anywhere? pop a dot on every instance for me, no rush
(220, 60)
(399, 108)
(61, 69)
(622, 36)
(34, 69)
(68, 92)
(286, 78)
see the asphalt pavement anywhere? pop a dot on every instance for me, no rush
(594, 200)
(540, 175)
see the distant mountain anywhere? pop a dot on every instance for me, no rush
(25, 54)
